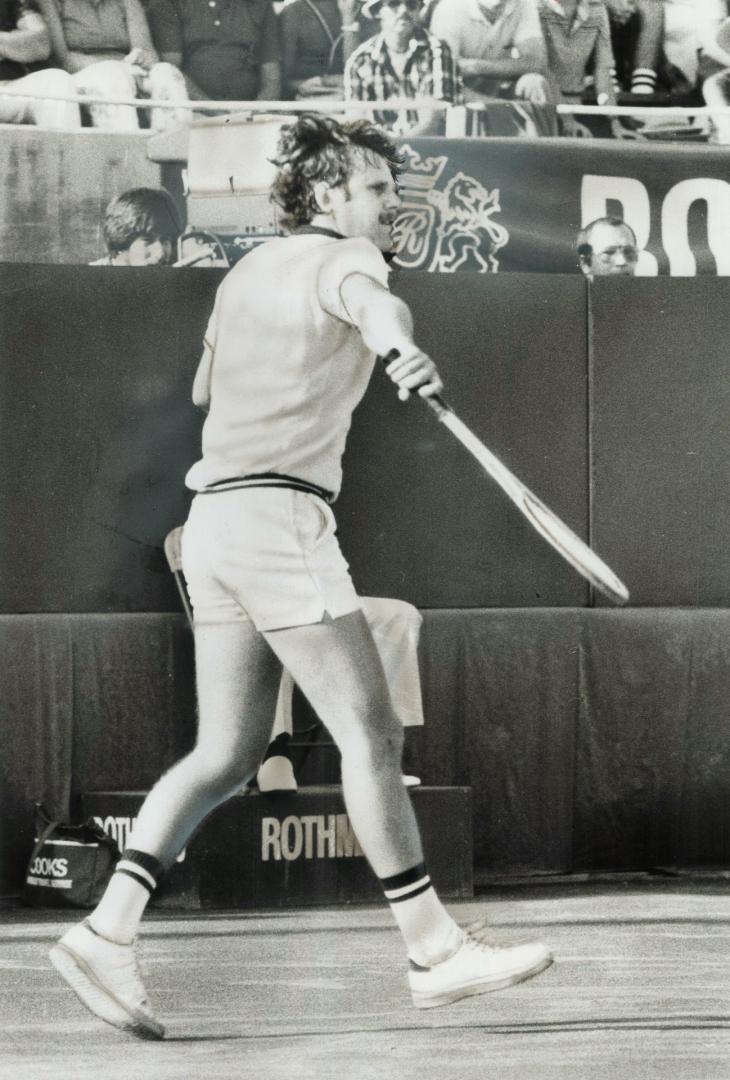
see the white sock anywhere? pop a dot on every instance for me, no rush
(118, 913)
(429, 932)
(643, 81)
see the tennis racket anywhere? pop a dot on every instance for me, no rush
(574, 550)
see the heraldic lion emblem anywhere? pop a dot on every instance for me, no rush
(446, 228)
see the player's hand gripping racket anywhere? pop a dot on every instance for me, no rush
(548, 525)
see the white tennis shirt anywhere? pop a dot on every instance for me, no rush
(284, 365)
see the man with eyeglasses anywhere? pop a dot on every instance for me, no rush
(607, 248)
(403, 61)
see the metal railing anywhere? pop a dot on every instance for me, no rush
(457, 116)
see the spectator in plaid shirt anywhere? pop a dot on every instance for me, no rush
(403, 61)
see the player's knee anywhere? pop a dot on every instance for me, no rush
(166, 77)
(54, 81)
(112, 77)
(383, 613)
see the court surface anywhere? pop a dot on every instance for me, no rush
(640, 990)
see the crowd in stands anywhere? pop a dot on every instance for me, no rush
(541, 52)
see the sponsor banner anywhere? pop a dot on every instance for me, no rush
(310, 836)
(119, 828)
(260, 851)
(497, 205)
(49, 883)
(49, 873)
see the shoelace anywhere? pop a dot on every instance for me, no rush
(478, 936)
(129, 970)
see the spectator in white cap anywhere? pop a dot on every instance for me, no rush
(402, 61)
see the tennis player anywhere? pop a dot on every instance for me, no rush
(288, 354)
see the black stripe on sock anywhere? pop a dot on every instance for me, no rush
(409, 895)
(406, 878)
(152, 865)
(137, 877)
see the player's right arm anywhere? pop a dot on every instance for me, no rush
(385, 323)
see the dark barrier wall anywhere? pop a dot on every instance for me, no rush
(96, 427)
(98, 424)
(97, 430)
(661, 436)
(56, 185)
(592, 739)
(418, 517)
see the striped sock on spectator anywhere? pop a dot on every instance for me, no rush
(643, 81)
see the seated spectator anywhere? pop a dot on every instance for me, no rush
(498, 45)
(317, 36)
(637, 30)
(402, 61)
(607, 248)
(106, 46)
(227, 49)
(578, 39)
(24, 46)
(715, 68)
(141, 228)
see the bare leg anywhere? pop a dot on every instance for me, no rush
(338, 668)
(237, 682)
(716, 91)
(649, 42)
(238, 678)
(114, 79)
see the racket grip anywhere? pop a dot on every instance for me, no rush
(434, 401)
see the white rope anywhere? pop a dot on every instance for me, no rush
(669, 111)
(316, 105)
(331, 105)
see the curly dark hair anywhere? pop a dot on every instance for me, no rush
(147, 212)
(315, 148)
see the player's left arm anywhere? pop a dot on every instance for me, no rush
(385, 323)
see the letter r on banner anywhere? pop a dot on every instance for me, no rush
(270, 839)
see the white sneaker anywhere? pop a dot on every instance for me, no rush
(276, 774)
(477, 967)
(411, 781)
(106, 978)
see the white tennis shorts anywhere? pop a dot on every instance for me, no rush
(268, 555)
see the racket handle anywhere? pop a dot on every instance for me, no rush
(434, 401)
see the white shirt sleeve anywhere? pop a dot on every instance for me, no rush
(358, 256)
(201, 383)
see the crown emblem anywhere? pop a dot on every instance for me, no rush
(446, 225)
